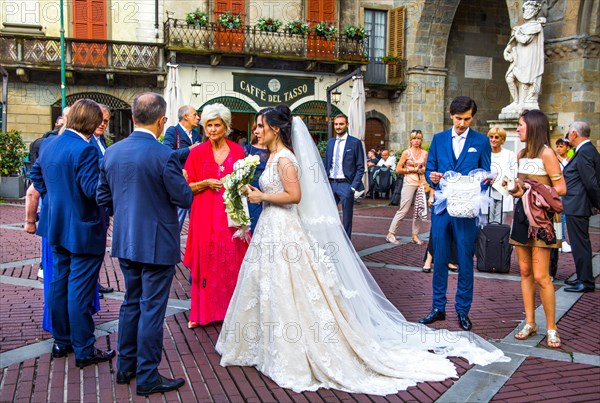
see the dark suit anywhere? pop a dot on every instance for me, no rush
(353, 167)
(66, 175)
(95, 142)
(141, 180)
(177, 139)
(582, 176)
(476, 153)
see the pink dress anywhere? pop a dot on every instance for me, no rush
(213, 257)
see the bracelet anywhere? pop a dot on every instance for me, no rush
(555, 177)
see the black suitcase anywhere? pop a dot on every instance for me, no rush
(493, 250)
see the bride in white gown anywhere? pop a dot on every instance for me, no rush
(306, 312)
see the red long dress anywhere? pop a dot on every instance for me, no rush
(213, 257)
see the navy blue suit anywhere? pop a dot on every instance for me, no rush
(141, 181)
(476, 153)
(66, 175)
(353, 166)
(582, 176)
(95, 143)
(182, 150)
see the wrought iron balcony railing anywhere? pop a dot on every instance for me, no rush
(249, 40)
(103, 55)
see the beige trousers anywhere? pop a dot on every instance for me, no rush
(406, 199)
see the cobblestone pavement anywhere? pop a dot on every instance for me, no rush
(571, 373)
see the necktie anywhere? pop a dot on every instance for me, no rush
(336, 157)
(458, 146)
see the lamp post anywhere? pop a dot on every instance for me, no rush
(196, 86)
(63, 88)
(336, 96)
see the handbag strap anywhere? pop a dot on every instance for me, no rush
(177, 139)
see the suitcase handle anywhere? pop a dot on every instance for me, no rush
(501, 208)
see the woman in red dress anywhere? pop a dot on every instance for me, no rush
(212, 254)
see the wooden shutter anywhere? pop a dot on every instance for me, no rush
(98, 19)
(396, 32)
(321, 10)
(89, 22)
(80, 19)
(235, 6)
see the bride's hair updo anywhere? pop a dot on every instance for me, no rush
(281, 118)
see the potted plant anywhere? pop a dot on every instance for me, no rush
(296, 27)
(12, 153)
(354, 32)
(197, 18)
(229, 20)
(391, 59)
(268, 24)
(325, 29)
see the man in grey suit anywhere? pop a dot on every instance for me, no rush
(142, 181)
(582, 175)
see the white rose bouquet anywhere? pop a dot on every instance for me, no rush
(236, 203)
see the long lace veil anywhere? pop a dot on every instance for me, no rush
(362, 299)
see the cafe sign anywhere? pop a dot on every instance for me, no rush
(270, 90)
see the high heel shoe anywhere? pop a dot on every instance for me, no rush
(426, 269)
(193, 325)
(553, 339)
(392, 239)
(527, 331)
(417, 241)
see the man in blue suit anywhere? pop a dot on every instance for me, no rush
(461, 150)
(345, 166)
(141, 180)
(183, 138)
(66, 176)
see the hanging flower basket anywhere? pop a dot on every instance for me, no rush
(268, 24)
(296, 27)
(230, 20)
(391, 59)
(356, 33)
(325, 29)
(197, 18)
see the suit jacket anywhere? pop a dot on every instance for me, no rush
(170, 140)
(66, 175)
(353, 161)
(582, 176)
(142, 181)
(476, 153)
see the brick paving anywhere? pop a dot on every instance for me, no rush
(497, 310)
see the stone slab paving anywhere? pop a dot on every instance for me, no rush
(497, 310)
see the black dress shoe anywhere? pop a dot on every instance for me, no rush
(579, 287)
(572, 282)
(58, 351)
(104, 290)
(96, 357)
(160, 386)
(464, 321)
(125, 377)
(433, 316)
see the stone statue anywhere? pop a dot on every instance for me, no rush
(525, 52)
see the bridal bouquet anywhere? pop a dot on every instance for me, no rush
(236, 204)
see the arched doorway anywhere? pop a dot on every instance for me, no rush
(120, 125)
(242, 116)
(314, 114)
(374, 134)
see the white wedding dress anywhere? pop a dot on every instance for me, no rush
(307, 313)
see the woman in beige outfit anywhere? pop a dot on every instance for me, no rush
(412, 165)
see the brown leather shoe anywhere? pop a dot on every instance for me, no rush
(96, 357)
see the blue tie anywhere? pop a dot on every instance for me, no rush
(336, 157)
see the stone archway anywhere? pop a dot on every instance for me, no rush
(376, 130)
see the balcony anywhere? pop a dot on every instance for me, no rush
(221, 45)
(114, 58)
(385, 78)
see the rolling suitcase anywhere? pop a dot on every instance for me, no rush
(493, 250)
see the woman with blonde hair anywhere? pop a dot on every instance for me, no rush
(532, 233)
(412, 165)
(212, 254)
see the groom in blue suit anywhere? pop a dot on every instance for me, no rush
(141, 180)
(461, 150)
(345, 166)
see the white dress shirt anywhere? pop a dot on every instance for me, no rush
(337, 170)
(97, 138)
(189, 134)
(458, 142)
(391, 161)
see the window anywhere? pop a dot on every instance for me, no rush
(376, 28)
